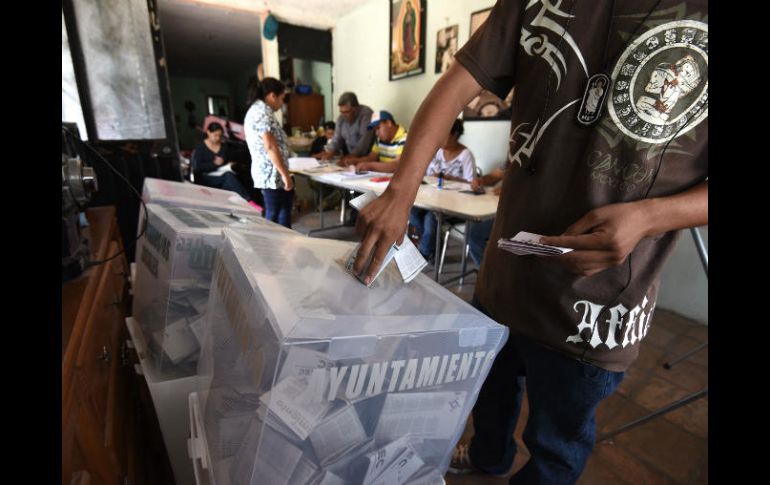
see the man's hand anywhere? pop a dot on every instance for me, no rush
(602, 238)
(325, 154)
(363, 166)
(348, 160)
(476, 184)
(380, 224)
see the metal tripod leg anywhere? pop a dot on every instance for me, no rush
(660, 412)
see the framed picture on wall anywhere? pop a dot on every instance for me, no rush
(446, 47)
(486, 106)
(407, 38)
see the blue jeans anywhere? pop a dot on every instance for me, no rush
(227, 181)
(477, 239)
(563, 394)
(424, 222)
(278, 203)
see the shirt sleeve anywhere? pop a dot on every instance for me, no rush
(260, 122)
(433, 165)
(491, 53)
(469, 165)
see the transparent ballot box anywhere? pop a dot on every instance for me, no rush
(174, 258)
(183, 194)
(306, 376)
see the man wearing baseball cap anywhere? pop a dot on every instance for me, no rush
(386, 151)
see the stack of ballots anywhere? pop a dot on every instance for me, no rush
(174, 260)
(307, 376)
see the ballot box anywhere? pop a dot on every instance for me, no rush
(185, 194)
(175, 256)
(306, 376)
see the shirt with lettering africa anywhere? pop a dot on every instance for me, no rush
(560, 170)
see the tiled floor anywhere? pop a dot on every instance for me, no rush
(670, 449)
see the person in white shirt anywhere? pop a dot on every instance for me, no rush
(457, 163)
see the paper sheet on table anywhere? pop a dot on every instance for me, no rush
(297, 164)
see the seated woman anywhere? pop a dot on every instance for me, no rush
(456, 161)
(210, 167)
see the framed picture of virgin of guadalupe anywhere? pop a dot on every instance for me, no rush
(407, 38)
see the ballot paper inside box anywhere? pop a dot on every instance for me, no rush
(174, 259)
(184, 194)
(307, 376)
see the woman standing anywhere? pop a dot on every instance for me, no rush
(269, 151)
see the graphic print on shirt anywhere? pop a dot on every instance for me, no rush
(623, 327)
(540, 45)
(661, 82)
(649, 100)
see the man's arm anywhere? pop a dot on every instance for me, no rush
(606, 236)
(384, 220)
(370, 157)
(387, 167)
(365, 143)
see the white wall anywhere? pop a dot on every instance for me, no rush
(684, 286)
(361, 58)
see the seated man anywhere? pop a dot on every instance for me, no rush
(317, 149)
(479, 232)
(386, 152)
(351, 134)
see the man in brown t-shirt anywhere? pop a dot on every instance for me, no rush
(608, 154)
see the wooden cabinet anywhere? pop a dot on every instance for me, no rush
(304, 111)
(101, 409)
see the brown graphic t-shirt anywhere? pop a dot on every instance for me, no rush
(561, 169)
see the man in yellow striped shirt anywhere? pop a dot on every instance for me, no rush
(386, 152)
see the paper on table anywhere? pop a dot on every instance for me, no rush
(429, 415)
(297, 164)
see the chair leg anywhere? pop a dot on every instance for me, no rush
(443, 252)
